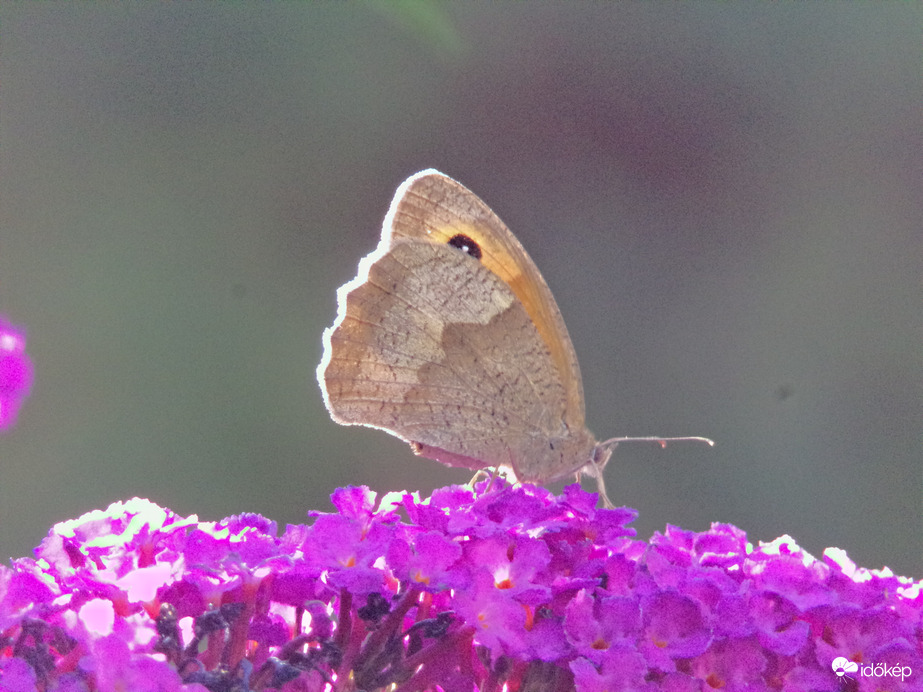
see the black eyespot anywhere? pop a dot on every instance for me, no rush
(465, 244)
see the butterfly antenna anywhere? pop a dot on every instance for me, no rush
(614, 442)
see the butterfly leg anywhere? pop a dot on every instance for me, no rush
(491, 474)
(592, 469)
(483, 474)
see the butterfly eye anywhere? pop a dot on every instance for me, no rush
(466, 244)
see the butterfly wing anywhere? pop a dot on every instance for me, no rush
(435, 349)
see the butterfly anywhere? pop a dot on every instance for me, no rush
(450, 339)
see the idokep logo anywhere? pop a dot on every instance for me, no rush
(842, 666)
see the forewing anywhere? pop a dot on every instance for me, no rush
(430, 206)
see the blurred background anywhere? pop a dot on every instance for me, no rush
(725, 199)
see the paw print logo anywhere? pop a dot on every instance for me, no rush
(842, 665)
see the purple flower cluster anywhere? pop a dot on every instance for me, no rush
(514, 589)
(15, 372)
